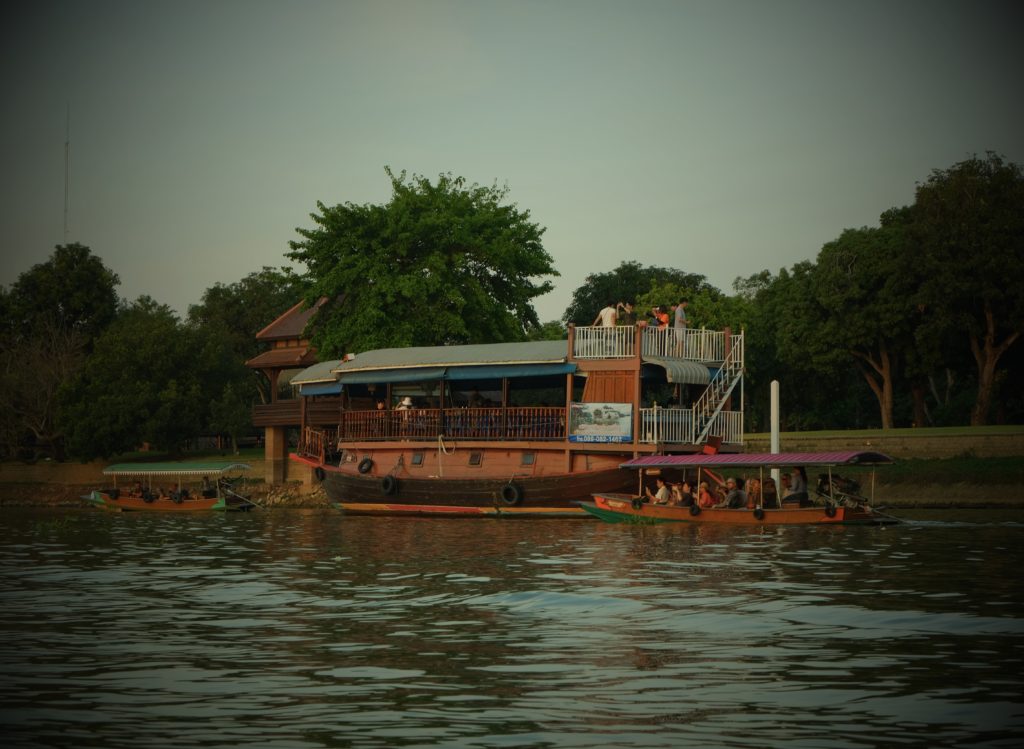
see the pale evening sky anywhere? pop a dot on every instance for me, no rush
(720, 138)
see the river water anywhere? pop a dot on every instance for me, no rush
(309, 629)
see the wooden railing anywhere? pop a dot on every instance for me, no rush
(603, 342)
(319, 412)
(693, 344)
(519, 423)
(317, 443)
(677, 426)
(282, 413)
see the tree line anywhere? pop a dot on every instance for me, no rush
(913, 321)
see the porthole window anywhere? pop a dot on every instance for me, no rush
(417, 459)
(529, 458)
(476, 458)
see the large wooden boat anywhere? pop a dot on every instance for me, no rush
(171, 487)
(833, 500)
(518, 429)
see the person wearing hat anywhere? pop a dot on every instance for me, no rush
(735, 497)
(405, 405)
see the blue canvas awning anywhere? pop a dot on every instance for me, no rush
(380, 376)
(497, 371)
(426, 374)
(324, 388)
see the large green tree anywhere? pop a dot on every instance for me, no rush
(863, 284)
(48, 321)
(237, 312)
(818, 387)
(73, 289)
(440, 263)
(149, 379)
(968, 221)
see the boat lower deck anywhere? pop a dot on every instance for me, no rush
(626, 508)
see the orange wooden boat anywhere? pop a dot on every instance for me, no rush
(173, 492)
(831, 502)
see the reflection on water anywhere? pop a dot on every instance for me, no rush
(309, 629)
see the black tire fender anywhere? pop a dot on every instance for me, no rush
(638, 504)
(365, 464)
(389, 485)
(759, 513)
(320, 474)
(511, 494)
(830, 510)
(695, 509)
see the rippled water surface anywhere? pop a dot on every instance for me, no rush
(310, 629)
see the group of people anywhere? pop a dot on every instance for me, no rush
(623, 313)
(733, 493)
(403, 405)
(474, 400)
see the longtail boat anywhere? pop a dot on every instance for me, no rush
(171, 487)
(833, 500)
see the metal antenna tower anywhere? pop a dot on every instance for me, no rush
(67, 175)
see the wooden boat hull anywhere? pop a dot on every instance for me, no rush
(125, 503)
(625, 508)
(551, 495)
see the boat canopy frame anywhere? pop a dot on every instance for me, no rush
(762, 461)
(173, 469)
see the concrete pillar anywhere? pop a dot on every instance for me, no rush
(275, 453)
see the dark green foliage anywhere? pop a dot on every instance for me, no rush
(48, 321)
(149, 379)
(633, 282)
(440, 263)
(968, 224)
(74, 286)
(237, 312)
(552, 330)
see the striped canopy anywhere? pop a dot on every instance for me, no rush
(173, 469)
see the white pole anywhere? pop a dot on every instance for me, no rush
(776, 473)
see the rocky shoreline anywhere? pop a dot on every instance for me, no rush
(60, 495)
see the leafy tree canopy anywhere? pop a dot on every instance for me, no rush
(237, 312)
(628, 283)
(149, 379)
(74, 285)
(440, 263)
(48, 320)
(242, 309)
(968, 221)
(863, 284)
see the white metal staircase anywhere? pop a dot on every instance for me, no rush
(714, 398)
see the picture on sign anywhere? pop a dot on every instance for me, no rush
(601, 422)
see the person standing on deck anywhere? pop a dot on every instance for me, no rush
(679, 324)
(606, 317)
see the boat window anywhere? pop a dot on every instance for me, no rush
(476, 458)
(417, 458)
(529, 458)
